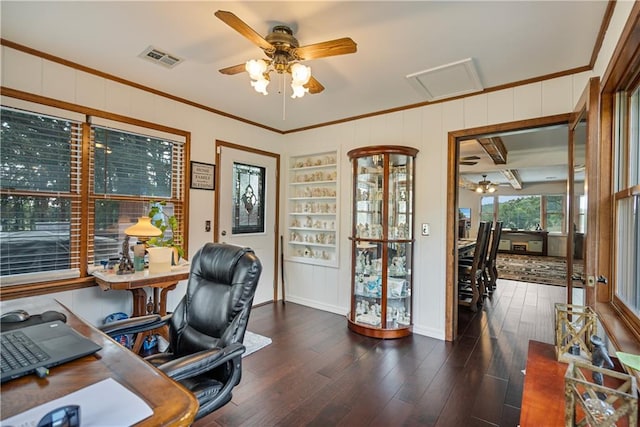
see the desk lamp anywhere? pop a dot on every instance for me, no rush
(143, 230)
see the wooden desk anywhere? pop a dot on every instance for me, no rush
(161, 283)
(172, 404)
(543, 394)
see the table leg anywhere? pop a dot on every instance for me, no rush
(139, 302)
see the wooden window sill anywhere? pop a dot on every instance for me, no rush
(622, 336)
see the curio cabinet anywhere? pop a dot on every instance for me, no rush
(382, 241)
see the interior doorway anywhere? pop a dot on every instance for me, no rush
(475, 166)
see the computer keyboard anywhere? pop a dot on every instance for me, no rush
(18, 350)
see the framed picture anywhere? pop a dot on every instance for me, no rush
(203, 176)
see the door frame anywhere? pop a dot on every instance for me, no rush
(216, 203)
(454, 138)
(587, 107)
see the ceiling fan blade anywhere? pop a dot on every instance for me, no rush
(314, 86)
(468, 163)
(329, 48)
(470, 158)
(236, 69)
(238, 24)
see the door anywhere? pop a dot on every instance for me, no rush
(583, 201)
(246, 208)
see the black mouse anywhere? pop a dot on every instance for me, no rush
(14, 316)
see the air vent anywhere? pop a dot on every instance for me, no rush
(447, 81)
(160, 57)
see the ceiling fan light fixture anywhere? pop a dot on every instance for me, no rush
(485, 186)
(298, 90)
(256, 68)
(300, 74)
(261, 84)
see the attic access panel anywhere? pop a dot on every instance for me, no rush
(447, 81)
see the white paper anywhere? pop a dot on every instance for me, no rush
(106, 403)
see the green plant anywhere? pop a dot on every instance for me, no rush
(163, 221)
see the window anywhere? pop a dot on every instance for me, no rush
(60, 214)
(627, 200)
(130, 171)
(525, 212)
(40, 197)
(554, 213)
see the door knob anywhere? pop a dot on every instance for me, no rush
(224, 233)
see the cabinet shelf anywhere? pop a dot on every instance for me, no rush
(382, 244)
(313, 194)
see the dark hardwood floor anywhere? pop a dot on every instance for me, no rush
(318, 373)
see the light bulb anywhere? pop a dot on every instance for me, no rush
(298, 90)
(256, 68)
(300, 74)
(260, 85)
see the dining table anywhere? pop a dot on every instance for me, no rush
(466, 247)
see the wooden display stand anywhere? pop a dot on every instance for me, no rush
(587, 403)
(574, 326)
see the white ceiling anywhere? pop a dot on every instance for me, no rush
(508, 41)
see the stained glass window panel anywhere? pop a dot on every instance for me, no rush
(248, 199)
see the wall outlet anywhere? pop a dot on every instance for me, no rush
(426, 230)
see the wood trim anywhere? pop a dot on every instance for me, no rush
(604, 25)
(34, 289)
(43, 288)
(425, 103)
(216, 203)
(622, 326)
(114, 78)
(454, 137)
(98, 73)
(382, 149)
(76, 108)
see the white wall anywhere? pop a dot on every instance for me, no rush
(425, 128)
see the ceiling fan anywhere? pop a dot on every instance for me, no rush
(485, 186)
(468, 160)
(284, 53)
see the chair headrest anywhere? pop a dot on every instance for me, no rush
(217, 261)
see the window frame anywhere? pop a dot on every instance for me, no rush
(543, 208)
(40, 105)
(621, 326)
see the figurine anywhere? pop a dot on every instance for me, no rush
(600, 358)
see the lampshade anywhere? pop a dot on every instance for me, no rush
(256, 68)
(260, 85)
(143, 228)
(300, 74)
(298, 90)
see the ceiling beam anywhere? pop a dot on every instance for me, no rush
(513, 177)
(495, 149)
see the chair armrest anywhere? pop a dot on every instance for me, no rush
(194, 364)
(135, 325)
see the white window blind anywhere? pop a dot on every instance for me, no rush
(40, 201)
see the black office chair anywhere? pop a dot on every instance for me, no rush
(208, 326)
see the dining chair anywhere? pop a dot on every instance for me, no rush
(470, 275)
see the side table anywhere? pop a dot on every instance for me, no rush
(161, 283)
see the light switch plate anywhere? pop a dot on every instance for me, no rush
(426, 229)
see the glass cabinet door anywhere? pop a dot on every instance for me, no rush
(382, 241)
(370, 180)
